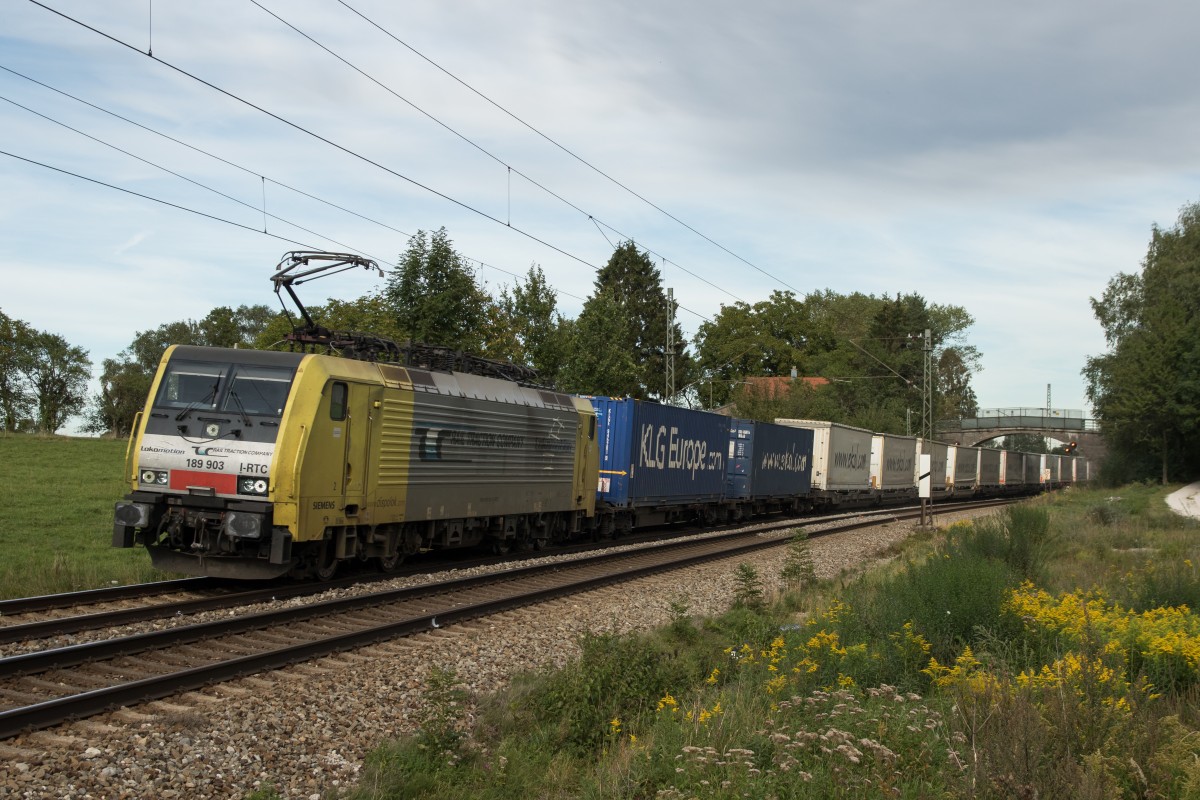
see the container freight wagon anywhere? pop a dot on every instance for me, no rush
(893, 465)
(941, 479)
(841, 462)
(659, 463)
(769, 467)
(1012, 471)
(989, 470)
(965, 471)
(1033, 471)
(1054, 467)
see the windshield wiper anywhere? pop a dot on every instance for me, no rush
(192, 405)
(233, 395)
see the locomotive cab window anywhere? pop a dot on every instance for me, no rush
(191, 384)
(258, 390)
(337, 401)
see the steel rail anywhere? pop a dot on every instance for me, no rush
(51, 712)
(47, 602)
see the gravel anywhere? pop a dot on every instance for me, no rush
(306, 729)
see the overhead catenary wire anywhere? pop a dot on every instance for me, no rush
(155, 199)
(190, 180)
(562, 147)
(511, 170)
(331, 143)
(265, 179)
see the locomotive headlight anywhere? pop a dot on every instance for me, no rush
(154, 477)
(256, 486)
(241, 525)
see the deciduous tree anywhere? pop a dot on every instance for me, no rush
(1146, 389)
(59, 374)
(434, 296)
(16, 357)
(125, 380)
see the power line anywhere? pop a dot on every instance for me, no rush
(156, 200)
(330, 142)
(186, 178)
(511, 169)
(255, 173)
(562, 147)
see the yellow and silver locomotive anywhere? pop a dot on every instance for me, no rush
(256, 464)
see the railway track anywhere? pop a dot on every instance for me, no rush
(43, 688)
(27, 620)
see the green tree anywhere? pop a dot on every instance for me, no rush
(533, 333)
(869, 348)
(125, 380)
(16, 361)
(1026, 443)
(1145, 389)
(59, 373)
(434, 296)
(597, 366)
(630, 286)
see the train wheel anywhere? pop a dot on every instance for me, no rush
(327, 562)
(390, 562)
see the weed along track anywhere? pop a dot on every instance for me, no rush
(42, 688)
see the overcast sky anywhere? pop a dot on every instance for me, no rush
(1010, 158)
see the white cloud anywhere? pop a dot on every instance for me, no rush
(1009, 159)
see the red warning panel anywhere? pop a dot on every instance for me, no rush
(222, 483)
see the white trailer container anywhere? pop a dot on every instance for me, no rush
(990, 473)
(1012, 471)
(966, 470)
(841, 463)
(893, 464)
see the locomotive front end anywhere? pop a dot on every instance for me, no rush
(201, 464)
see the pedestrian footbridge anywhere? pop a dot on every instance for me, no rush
(1066, 425)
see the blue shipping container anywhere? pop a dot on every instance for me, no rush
(768, 460)
(654, 455)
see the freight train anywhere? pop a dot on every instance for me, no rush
(258, 464)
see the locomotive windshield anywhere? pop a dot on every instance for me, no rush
(233, 388)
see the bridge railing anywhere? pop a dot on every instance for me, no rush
(1013, 418)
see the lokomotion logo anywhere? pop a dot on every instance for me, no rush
(663, 448)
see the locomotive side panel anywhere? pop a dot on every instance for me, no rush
(481, 448)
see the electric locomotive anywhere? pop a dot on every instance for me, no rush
(257, 464)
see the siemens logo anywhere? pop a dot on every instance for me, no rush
(663, 448)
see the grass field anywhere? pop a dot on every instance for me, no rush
(1048, 651)
(56, 503)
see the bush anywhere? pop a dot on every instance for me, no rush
(615, 678)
